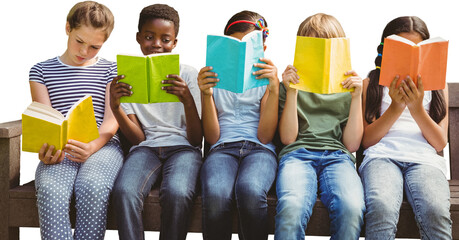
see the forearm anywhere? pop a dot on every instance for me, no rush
(193, 124)
(210, 123)
(268, 117)
(133, 132)
(353, 132)
(288, 123)
(435, 134)
(375, 131)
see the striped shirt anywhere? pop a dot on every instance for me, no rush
(67, 84)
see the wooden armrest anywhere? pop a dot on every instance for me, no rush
(10, 152)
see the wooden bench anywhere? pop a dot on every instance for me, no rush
(18, 202)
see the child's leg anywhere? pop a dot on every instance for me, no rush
(428, 193)
(178, 187)
(383, 184)
(257, 172)
(341, 191)
(93, 185)
(134, 182)
(218, 175)
(54, 186)
(296, 189)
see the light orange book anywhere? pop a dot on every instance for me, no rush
(44, 124)
(403, 57)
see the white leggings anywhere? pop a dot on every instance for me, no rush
(91, 182)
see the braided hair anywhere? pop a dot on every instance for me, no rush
(374, 94)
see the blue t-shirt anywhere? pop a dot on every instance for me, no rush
(239, 115)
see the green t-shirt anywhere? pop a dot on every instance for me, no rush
(321, 120)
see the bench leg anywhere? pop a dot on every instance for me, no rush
(10, 233)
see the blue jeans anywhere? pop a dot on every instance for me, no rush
(244, 171)
(427, 191)
(304, 173)
(180, 167)
(90, 182)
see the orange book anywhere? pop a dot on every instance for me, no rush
(403, 57)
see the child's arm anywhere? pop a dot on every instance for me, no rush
(435, 134)
(269, 103)
(193, 123)
(40, 94)
(79, 151)
(211, 127)
(129, 124)
(288, 123)
(375, 131)
(352, 134)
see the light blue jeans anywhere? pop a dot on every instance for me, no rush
(302, 174)
(243, 171)
(426, 189)
(90, 182)
(179, 166)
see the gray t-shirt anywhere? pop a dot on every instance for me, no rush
(164, 124)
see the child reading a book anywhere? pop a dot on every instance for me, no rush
(241, 164)
(87, 170)
(405, 127)
(166, 137)
(319, 131)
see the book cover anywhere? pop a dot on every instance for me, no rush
(233, 59)
(44, 124)
(403, 57)
(145, 73)
(321, 64)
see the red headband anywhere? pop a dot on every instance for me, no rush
(240, 21)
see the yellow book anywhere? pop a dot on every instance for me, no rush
(44, 124)
(321, 64)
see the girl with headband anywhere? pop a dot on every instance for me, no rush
(241, 165)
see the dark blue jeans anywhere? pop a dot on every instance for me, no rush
(180, 167)
(243, 171)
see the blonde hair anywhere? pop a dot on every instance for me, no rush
(91, 14)
(321, 25)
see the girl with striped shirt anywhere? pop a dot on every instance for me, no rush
(87, 170)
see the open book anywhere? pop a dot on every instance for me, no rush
(145, 73)
(403, 57)
(321, 64)
(233, 59)
(44, 124)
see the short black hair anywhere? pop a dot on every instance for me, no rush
(159, 11)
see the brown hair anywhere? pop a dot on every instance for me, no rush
(159, 11)
(92, 14)
(374, 94)
(321, 25)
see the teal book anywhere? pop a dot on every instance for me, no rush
(145, 73)
(233, 59)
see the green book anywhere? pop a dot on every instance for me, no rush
(145, 74)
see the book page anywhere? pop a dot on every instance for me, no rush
(309, 61)
(81, 122)
(134, 68)
(162, 65)
(254, 51)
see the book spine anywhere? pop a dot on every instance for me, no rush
(243, 71)
(415, 62)
(148, 73)
(327, 68)
(64, 135)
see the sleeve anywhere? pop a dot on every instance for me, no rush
(190, 75)
(282, 98)
(112, 72)
(36, 74)
(127, 108)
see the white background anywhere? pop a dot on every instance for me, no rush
(34, 31)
